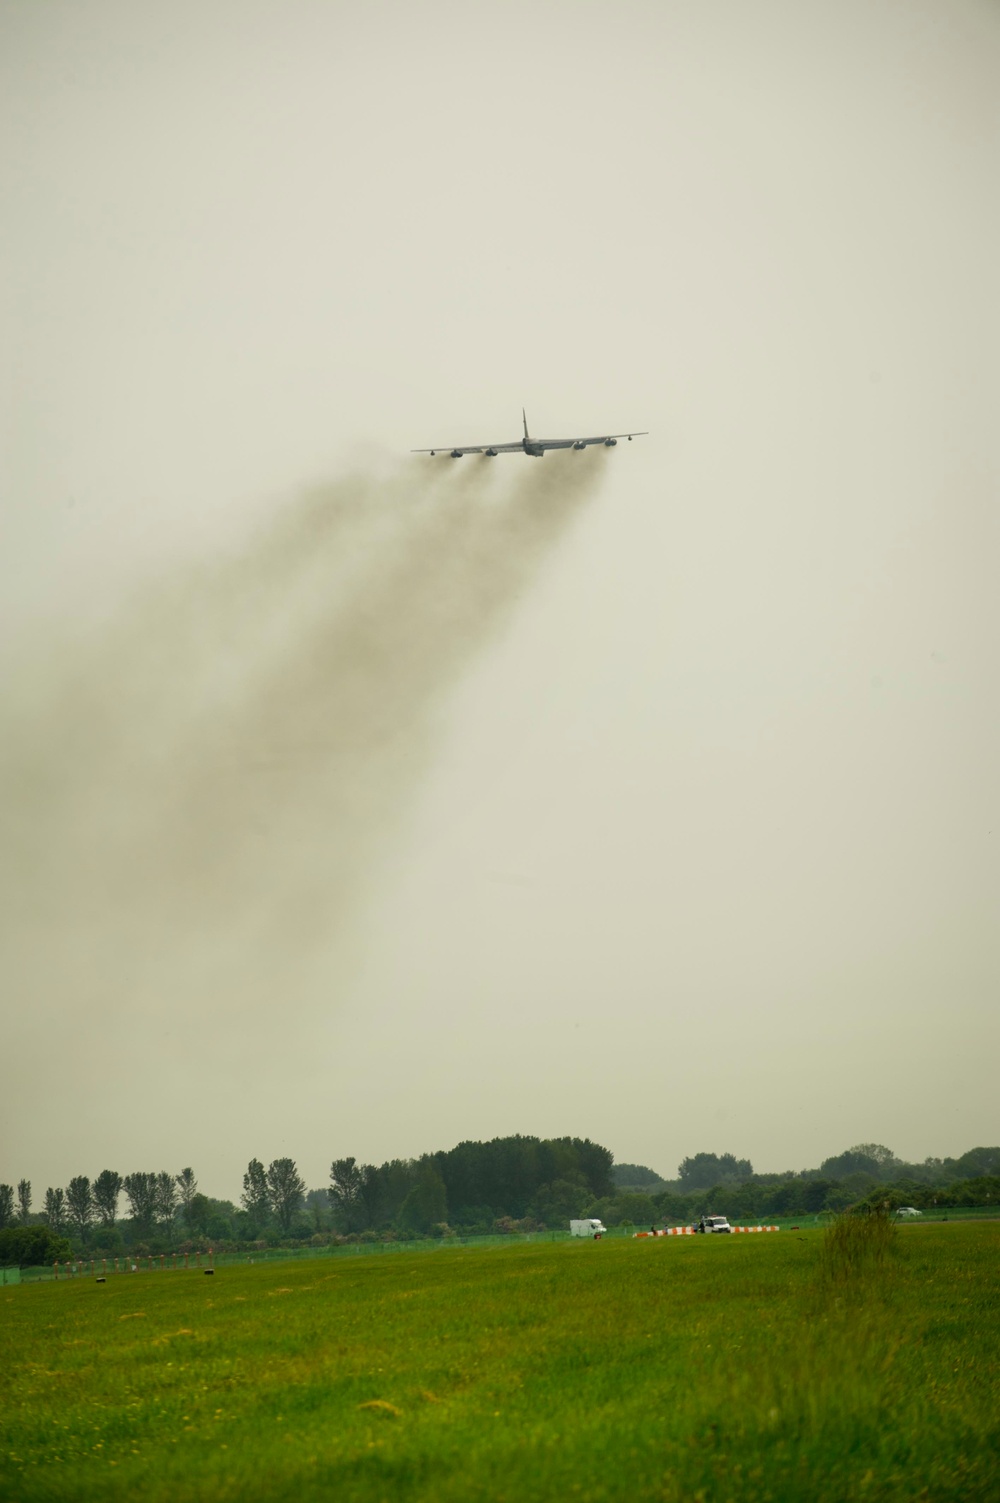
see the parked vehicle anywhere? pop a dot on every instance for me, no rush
(591, 1227)
(713, 1224)
(908, 1211)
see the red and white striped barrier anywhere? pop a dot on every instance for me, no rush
(691, 1231)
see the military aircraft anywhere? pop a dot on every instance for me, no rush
(536, 447)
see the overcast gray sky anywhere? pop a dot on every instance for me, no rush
(675, 824)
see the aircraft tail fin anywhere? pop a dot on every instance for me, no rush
(523, 414)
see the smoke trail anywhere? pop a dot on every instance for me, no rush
(213, 781)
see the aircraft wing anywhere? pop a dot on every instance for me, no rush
(600, 438)
(471, 449)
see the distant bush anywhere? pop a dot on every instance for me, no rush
(976, 1192)
(505, 1226)
(29, 1246)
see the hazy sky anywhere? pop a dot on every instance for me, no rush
(358, 804)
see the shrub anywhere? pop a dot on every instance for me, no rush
(29, 1246)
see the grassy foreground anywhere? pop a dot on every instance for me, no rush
(765, 1367)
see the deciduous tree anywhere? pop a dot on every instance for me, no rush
(256, 1199)
(166, 1197)
(140, 1189)
(188, 1188)
(427, 1203)
(705, 1170)
(345, 1192)
(565, 1198)
(286, 1189)
(636, 1177)
(197, 1213)
(55, 1208)
(977, 1163)
(373, 1195)
(6, 1206)
(637, 1208)
(106, 1190)
(24, 1201)
(507, 1173)
(80, 1203)
(863, 1158)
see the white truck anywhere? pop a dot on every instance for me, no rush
(591, 1227)
(713, 1224)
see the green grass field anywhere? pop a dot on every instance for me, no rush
(762, 1367)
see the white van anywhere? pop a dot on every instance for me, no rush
(592, 1227)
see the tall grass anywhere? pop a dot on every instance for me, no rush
(857, 1247)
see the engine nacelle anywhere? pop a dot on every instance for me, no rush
(492, 453)
(457, 453)
(609, 443)
(580, 445)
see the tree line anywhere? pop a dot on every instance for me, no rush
(507, 1184)
(721, 1183)
(473, 1185)
(705, 1171)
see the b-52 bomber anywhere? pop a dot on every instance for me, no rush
(535, 447)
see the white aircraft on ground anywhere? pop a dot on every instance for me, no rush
(536, 447)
